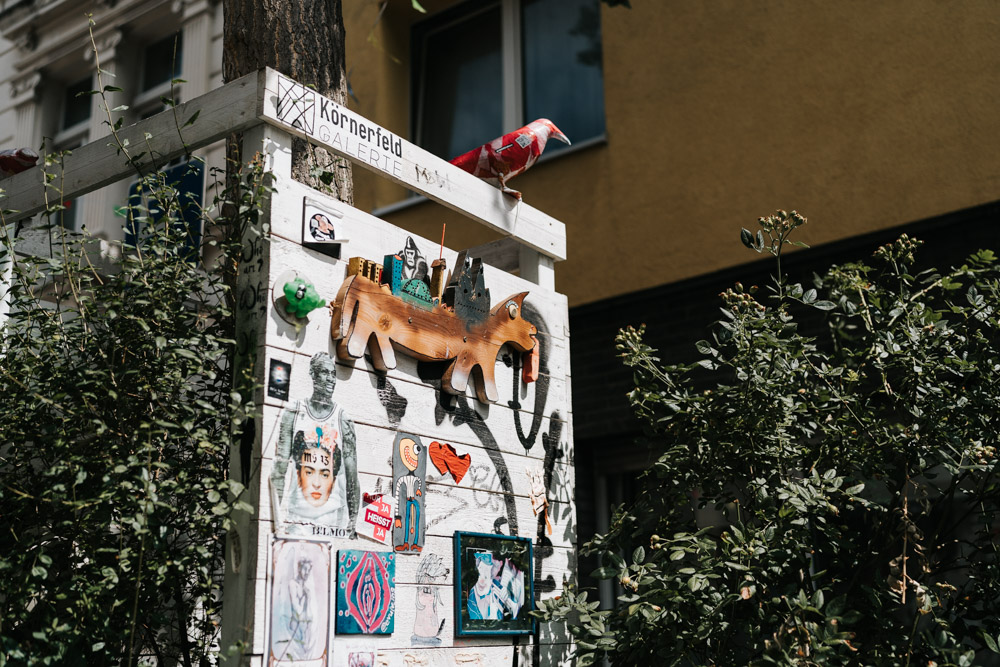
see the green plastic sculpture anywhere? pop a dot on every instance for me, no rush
(302, 298)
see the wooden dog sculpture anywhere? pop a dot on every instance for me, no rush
(366, 314)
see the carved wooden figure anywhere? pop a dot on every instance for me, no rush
(367, 315)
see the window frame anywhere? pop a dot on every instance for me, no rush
(78, 133)
(512, 85)
(510, 58)
(512, 71)
(147, 102)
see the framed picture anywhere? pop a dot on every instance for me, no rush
(300, 603)
(494, 591)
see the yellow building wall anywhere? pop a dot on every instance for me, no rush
(860, 115)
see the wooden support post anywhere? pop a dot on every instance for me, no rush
(244, 616)
(537, 268)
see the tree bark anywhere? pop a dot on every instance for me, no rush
(302, 39)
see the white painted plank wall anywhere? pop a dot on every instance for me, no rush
(513, 432)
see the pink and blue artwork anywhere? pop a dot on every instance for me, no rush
(366, 592)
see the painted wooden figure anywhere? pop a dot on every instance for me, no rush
(409, 470)
(463, 330)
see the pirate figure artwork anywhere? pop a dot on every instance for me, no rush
(314, 483)
(409, 469)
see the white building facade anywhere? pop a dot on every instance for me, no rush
(49, 56)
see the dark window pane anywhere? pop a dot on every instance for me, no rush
(76, 109)
(68, 216)
(460, 82)
(161, 64)
(563, 79)
(189, 180)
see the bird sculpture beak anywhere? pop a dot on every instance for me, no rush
(556, 134)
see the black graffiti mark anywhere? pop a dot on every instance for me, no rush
(394, 404)
(541, 385)
(247, 438)
(431, 177)
(251, 295)
(252, 248)
(498, 524)
(462, 413)
(543, 548)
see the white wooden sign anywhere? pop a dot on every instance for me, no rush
(308, 114)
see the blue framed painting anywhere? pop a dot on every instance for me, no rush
(366, 592)
(494, 589)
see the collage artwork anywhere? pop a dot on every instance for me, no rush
(319, 502)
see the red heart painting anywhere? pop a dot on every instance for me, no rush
(447, 460)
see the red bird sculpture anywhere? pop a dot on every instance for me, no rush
(15, 160)
(504, 158)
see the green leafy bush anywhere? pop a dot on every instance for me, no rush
(118, 417)
(828, 499)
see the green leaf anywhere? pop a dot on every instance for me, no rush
(809, 296)
(704, 348)
(746, 238)
(193, 118)
(638, 555)
(418, 7)
(991, 643)
(824, 305)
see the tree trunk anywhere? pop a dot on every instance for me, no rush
(302, 39)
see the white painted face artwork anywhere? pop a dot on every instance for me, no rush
(316, 476)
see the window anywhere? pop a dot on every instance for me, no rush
(189, 180)
(72, 132)
(76, 104)
(161, 63)
(485, 68)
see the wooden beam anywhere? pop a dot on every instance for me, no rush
(503, 254)
(306, 113)
(231, 108)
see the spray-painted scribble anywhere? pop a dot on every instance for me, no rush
(541, 385)
(391, 400)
